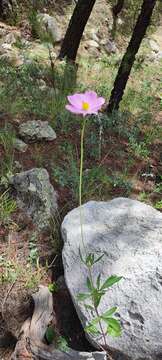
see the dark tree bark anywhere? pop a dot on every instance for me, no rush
(116, 11)
(75, 29)
(6, 8)
(118, 7)
(139, 32)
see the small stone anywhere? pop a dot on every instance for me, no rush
(10, 38)
(110, 47)
(92, 34)
(120, 21)
(18, 166)
(37, 131)
(159, 55)
(5, 46)
(42, 85)
(20, 145)
(36, 196)
(80, 355)
(154, 46)
(92, 43)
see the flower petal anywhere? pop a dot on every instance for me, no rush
(90, 97)
(74, 110)
(76, 100)
(99, 102)
(94, 101)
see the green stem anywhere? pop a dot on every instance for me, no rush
(81, 180)
(81, 161)
(81, 225)
(98, 315)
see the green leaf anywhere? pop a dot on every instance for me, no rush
(114, 328)
(98, 259)
(62, 344)
(96, 297)
(109, 312)
(95, 320)
(89, 284)
(83, 296)
(90, 259)
(89, 307)
(81, 257)
(98, 281)
(92, 329)
(111, 281)
(53, 287)
(50, 334)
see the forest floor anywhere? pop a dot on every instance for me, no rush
(126, 162)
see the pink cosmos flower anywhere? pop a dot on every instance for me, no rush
(85, 104)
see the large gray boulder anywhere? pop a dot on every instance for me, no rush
(37, 130)
(36, 195)
(129, 233)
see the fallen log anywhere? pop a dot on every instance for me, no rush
(31, 344)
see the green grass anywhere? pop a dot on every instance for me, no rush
(13, 271)
(22, 95)
(7, 138)
(7, 208)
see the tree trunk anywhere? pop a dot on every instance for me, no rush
(129, 57)
(118, 7)
(7, 8)
(75, 29)
(116, 11)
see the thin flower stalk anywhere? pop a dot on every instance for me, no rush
(87, 104)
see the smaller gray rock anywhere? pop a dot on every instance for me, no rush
(20, 145)
(42, 85)
(159, 55)
(120, 21)
(18, 167)
(92, 35)
(92, 43)
(110, 47)
(36, 131)
(154, 46)
(78, 355)
(48, 24)
(10, 38)
(4, 47)
(36, 196)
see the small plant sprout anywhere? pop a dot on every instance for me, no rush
(53, 287)
(86, 104)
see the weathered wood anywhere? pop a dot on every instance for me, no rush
(43, 313)
(16, 305)
(31, 344)
(21, 352)
(35, 327)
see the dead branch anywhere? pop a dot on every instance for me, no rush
(31, 344)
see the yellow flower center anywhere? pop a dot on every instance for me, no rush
(85, 105)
